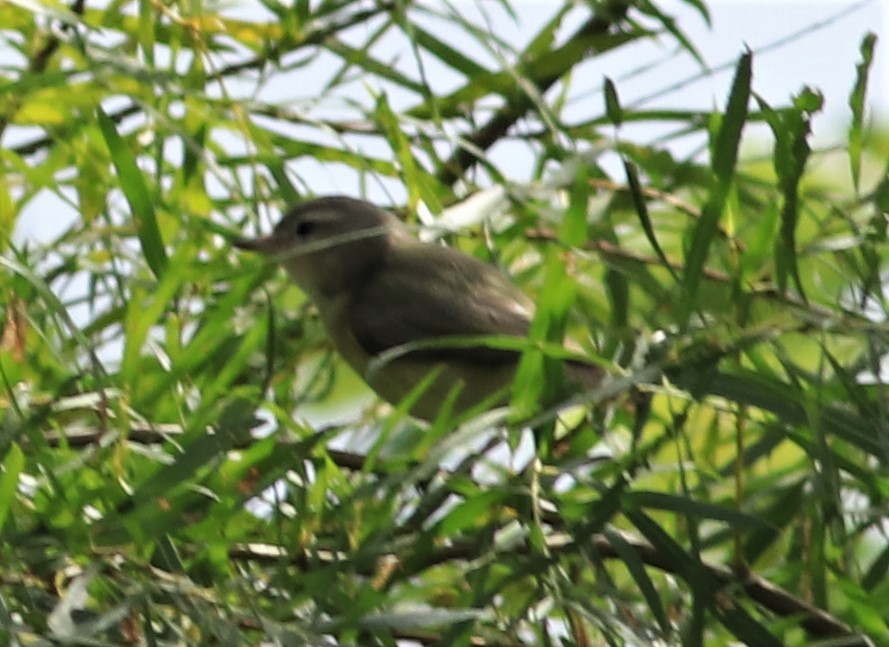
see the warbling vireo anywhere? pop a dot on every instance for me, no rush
(378, 288)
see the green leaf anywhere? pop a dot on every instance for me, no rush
(877, 571)
(8, 215)
(446, 53)
(728, 139)
(642, 210)
(612, 103)
(573, 226)
(791, 128)
(13, 465)
(697, 509)
(137, 195)
(634, 565)
(745, 627)
(549, 324)
(856, 104)
(725, 156)
(669, 24)
(411, 171)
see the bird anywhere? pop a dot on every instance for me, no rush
(400, 311)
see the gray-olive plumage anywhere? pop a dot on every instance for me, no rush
(377, 288)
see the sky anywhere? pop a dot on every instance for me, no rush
(821, 48)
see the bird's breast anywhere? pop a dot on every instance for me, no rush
(469, 382)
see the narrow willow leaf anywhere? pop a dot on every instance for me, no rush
(612, 103)
(278, 169)
(448, 55)
(702, 9)
(573, 227)
(636, 567)
(137, 195)
(8, 214)
(681, 562)
(642, 211)
(725, 156)
(549, 324)
(192, 145)
(392, 129)
(699, 509)
(878, 570)
(360, 58)
(276, 164)
(783, 513)
(744, 627)
(669, 24)
(13, 464)
(475, 511)
(791, 128)
(728, 139)
(618, 287)
(298, 148)
(856, 103)
(144, 310)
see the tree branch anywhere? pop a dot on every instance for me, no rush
(519, 104)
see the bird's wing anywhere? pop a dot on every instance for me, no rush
(432, 292)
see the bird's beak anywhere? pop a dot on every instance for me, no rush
(265, 245)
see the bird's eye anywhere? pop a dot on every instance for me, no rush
(304, 228)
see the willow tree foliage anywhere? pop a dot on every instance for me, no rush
(184, 461)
